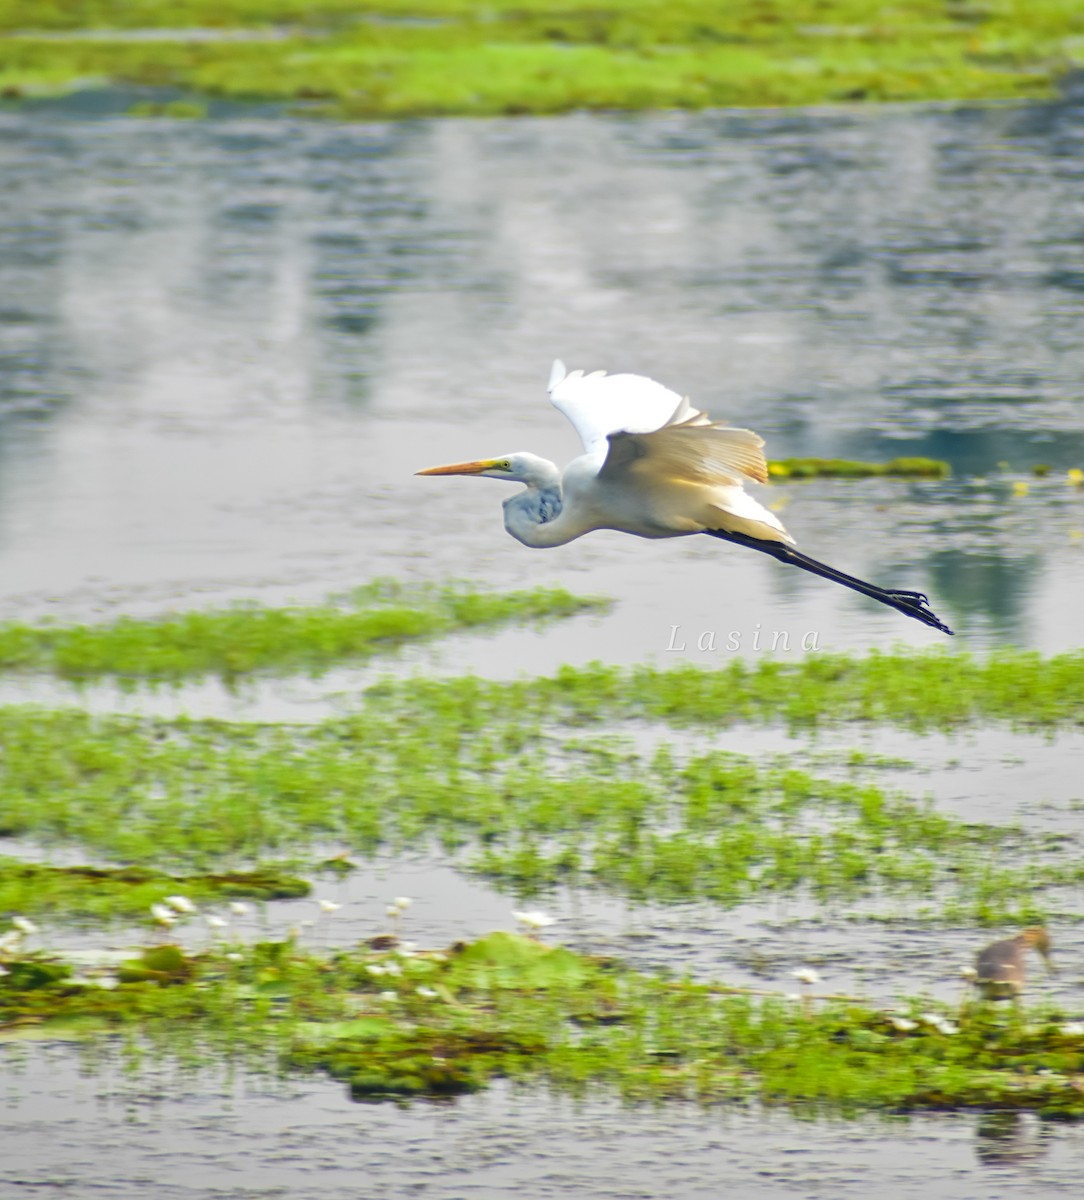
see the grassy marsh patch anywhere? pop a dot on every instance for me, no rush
(92, 895)
(246, 638)
(843, 468)
(514, 792)
(441, 1024)
(935, 690)
(431, 57)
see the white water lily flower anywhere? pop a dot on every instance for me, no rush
(392, 968)
(216, 922)
(24, 925)
(374, 969)
(10, 942)
(427, 992)
(239, 909)
(328, 906)
(233, 956)
(163, 915)
(402, 902)
(1073, 1028)
(182, 904)
(807, 975)
(793, 996)
(108, 982)
(535, 919)
(903, 1024)
(969, 973)
(948, 1028)
(393, 912)
(388, 997)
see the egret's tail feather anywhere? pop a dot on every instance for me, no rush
(911, 604)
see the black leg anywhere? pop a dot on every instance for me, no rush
(911, 604)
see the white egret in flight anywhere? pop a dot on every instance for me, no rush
(656, 467)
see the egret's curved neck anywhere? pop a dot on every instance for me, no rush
(534, 516)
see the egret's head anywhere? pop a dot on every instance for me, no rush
(513, 468)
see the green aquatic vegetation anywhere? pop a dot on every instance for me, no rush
(501, 795)
(92, 895)
(246, 638)
(396, 58)
(921, 691)
(842, 468)
(523, 782)
(187, 110)
(437, 1024)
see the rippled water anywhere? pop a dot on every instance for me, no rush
(228, 344)
(253, 1139)
(224, 348)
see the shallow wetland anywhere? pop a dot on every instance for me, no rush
(297, 316)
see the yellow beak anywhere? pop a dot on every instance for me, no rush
(464, 468)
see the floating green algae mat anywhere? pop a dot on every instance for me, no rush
(842, 468)
(404, 58)
(430, 1024)
(87, 895)
(237, 641)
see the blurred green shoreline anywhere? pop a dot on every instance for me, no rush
(397, 59)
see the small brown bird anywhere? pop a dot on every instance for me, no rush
(1000, 972)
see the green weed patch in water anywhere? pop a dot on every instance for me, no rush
(238, 641)
(506, 1006)
(509, 781)
(85, 895)
(399, 59)
(485, 781)
(842, 468)
(920, 691)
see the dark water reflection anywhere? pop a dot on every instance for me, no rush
(225, 345)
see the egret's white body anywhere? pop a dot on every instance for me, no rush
(656, 467)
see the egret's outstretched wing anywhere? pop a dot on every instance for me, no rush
(599, 404)
(691, 451)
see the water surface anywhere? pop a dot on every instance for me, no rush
(227, 345)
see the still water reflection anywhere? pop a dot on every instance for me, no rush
(226, 345)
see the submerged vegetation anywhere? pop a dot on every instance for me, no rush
(439, 1024)
(403, 58)
(237, 641)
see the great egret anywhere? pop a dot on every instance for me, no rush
(656, 467)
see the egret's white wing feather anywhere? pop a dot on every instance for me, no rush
(694, 451)
(599, 404)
